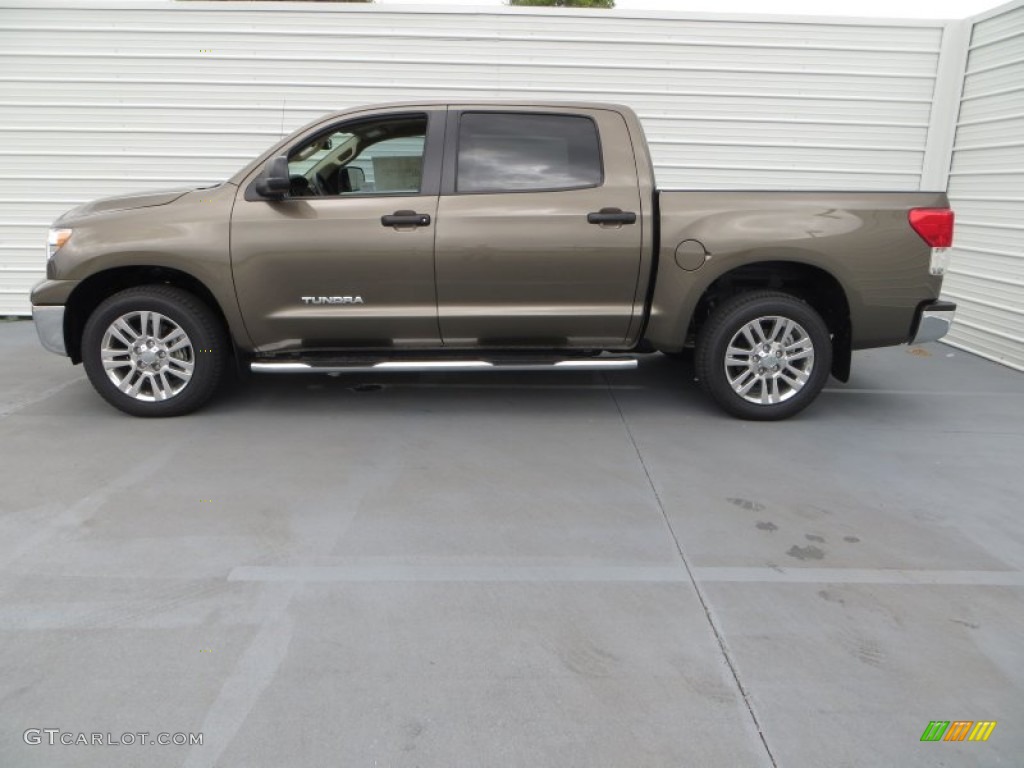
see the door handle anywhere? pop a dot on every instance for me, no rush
(406, 219)
(611, 216)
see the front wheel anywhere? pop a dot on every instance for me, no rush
(154, 350)
(764, 355)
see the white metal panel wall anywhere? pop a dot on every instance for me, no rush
(986, 187)
(99, 99)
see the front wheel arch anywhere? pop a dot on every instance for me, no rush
(97, 288)
(155, 350)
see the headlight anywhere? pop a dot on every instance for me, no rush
(55, 240)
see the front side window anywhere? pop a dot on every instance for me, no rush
(508, 152)
(382, 156)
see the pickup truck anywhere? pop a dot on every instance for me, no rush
(485, 237)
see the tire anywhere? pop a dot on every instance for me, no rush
(155, 350)
(764, 355)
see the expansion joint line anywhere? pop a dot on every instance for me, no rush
(689, 572)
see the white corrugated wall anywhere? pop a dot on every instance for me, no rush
(99, 98)
(986, 186)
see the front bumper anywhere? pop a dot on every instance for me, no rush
(933, 321)
(50, 327)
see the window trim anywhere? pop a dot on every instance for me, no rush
(453, 135)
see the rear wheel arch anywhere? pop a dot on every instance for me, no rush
(95, 289)
(763, 354)
(816, 286)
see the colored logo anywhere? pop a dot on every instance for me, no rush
(958, 730)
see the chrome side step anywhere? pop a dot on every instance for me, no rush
(447, 366)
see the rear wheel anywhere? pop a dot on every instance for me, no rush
(764, 355)
(154, 350)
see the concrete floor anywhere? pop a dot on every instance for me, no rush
(531, 570)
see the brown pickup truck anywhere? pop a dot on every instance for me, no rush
(485, 236)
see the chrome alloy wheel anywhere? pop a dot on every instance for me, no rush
(769, 360)
(147, 355)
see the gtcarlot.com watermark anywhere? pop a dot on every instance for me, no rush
(55, 736)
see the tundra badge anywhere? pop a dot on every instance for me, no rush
(332, 299)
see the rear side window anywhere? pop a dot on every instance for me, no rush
(507, 152)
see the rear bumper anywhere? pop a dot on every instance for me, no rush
(50, 327)
(933, 321)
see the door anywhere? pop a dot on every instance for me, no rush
(346, 259)
(539, 231)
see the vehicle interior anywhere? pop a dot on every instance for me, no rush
(370, 157)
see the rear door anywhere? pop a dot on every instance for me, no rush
(538, 238)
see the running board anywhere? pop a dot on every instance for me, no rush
(447, 366)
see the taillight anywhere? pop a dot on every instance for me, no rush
(934, 225)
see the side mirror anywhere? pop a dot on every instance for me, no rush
(275, 181)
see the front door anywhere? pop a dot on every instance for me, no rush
(346, 260)
(539, 230)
